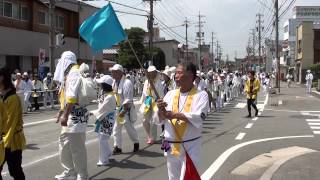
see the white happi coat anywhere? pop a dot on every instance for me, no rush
(105, 113)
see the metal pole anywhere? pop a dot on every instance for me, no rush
(51, 34)
(187, 39)
(277, 42)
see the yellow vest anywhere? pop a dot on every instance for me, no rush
(255, 90)
(13, 137)
(2, 121)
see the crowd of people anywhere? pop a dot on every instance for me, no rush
(175, 100)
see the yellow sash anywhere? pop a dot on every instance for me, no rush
(180, 126)
(118, 103)
(153, 106)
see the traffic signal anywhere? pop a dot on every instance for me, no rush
(60, 40)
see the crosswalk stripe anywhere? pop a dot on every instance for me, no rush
(314, 124)
(315, 127)
(316, 132)
(313, 120)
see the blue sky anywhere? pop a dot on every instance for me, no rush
(230, 20)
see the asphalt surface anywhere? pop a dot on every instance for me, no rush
(234, 147)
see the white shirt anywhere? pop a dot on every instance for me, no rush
(202, 85)
(199, 110)
(125, 90)
(106, 113)
(72, 88)
(158, 85)
(21, 87)
(29, 85)
(48, 83)
(37, 85)
(309, 78)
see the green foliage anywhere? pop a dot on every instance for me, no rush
(315, 69)
(126, 55)
(159, 58)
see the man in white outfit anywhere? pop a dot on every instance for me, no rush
(183, 111)
(27, 92)
(20, 86)
(148, 100)
(73, 117)
(309, 78)
(123, 89)
(48, 86)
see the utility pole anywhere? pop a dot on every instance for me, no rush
(259, 29)
(187, 47)
(217, 54)
(51, 34)
(276, 4)
(212, 37)
(200, 36)
(253, 34)
(150, 29)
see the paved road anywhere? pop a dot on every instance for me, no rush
(234, 147)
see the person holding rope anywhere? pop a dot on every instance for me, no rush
(182, 111)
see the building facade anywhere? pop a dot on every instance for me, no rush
(307, 47)
(24, 27)
(300, 14)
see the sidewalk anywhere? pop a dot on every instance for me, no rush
(295, 92)
(302, 167)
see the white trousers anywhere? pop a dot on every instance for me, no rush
(150, 127)
(104, 148)
(27, 100)
(177, 165)
(219, 103)
(48, 96)
(73, 154)
(117, 132)
(309, 87)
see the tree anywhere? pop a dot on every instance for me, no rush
(159, 58)
(126, 55)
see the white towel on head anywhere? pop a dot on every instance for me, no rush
(66, 59)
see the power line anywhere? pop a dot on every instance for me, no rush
(287, 9)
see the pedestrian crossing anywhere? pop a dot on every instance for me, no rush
(314, 124)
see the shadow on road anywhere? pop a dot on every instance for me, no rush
(32, 146)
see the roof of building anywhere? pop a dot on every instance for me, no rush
(110, 51)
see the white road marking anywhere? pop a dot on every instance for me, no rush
(249, 125)
(313, 120)
(310, 111)
(282, 110)
(316, 132)
(255, 118)
(39, 122)
(215, 166)
(314, 124)
(241, 105)
(57, 154)
(240, 136)
(280, 102)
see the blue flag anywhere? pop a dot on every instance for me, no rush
(102, 29)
